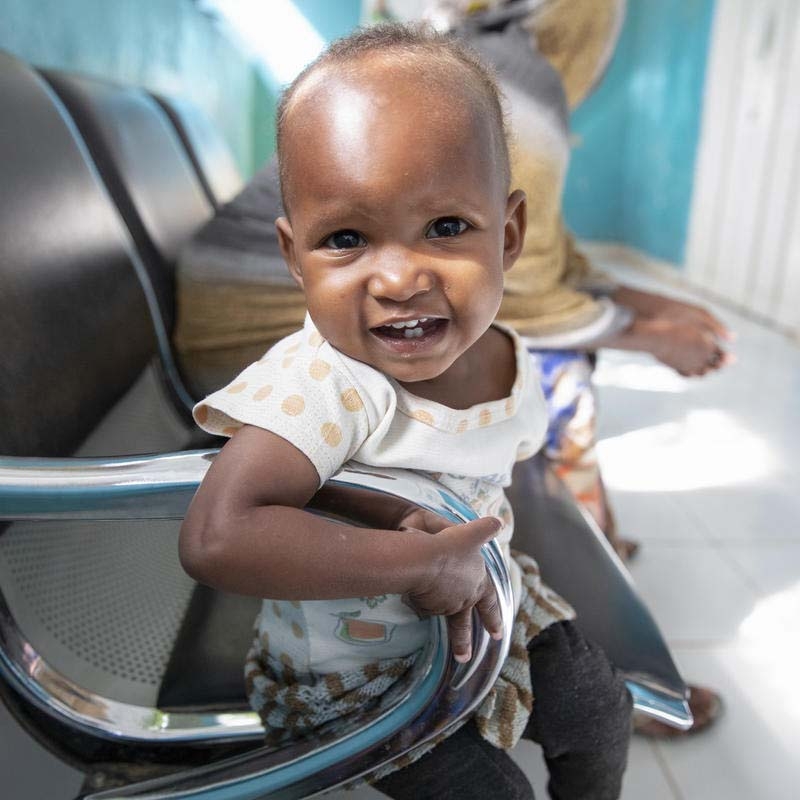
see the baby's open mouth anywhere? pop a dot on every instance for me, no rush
(409, 329)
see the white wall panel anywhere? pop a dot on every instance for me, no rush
(744, 240)
(719, 101)
(787, 310)
(778, 225)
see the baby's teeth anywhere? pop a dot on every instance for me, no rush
(412, 323)
(411, 327)
(412, 333)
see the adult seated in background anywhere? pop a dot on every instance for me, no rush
(564, 307)
(235, 296)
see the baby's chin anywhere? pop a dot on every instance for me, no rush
(406, 371)
(417, 373)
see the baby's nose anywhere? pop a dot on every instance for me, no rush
(400, 276)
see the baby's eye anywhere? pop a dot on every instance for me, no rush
(345, 240)
(446, 226)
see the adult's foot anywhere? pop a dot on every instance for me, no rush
(705, 705)
(626, 548)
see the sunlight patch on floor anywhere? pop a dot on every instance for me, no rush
(770, 643)
(706, 448)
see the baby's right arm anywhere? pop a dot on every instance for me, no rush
(246, 532)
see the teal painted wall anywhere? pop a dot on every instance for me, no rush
(632, 170)
(164, 45)
(167, 46)
(331, 19)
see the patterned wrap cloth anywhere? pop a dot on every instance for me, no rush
(566, 379)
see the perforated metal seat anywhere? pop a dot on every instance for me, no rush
(425, 703)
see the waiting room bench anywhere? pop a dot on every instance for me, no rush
(109, 653)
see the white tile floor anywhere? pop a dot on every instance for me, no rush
(704, 473)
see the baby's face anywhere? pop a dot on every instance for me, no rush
(400, 225)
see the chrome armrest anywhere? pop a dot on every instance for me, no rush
(101, 488)
(438, 693)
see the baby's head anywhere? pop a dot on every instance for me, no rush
(395, 177)
(441, 61)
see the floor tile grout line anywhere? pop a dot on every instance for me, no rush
(663, 763)
(703, 644)
(705, 529)
(721, 541)
(753, 583)
(768, 540)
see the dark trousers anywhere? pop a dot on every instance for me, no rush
(581, 718)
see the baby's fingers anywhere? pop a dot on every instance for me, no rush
(459, 628)
(489, 611)
(476, 532)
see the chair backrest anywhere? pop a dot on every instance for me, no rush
(68, 279)
(208, 151)
(145, 168)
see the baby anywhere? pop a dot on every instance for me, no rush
(399, 226)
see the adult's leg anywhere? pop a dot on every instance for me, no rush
(462, 767)
(581, 715)
(566, 378)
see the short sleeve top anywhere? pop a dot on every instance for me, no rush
(334, 408)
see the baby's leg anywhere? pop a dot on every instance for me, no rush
(463, 767)
(581, 715)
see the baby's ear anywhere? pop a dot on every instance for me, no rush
(286, 243)
(516, 224)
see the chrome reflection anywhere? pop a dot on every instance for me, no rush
(97, 488)
(656, 702)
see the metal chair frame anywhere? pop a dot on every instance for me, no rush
(434, 697)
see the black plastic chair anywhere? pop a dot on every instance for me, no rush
(208, 151)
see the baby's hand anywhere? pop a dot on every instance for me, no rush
(458, 581)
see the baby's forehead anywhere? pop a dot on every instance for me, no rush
(435, 80)
(369, 99)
